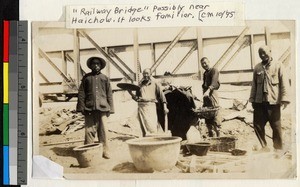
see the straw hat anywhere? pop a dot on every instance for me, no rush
(96, 59)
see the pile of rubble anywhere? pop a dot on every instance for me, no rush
(64, 121)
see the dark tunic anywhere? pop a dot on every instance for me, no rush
(211, 80)
(95, 93)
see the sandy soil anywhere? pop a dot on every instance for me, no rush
(123, 126)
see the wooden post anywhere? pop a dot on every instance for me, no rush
(64, 63)
(200, 52)
(107, 64)
(153, 58)
(136, 55)
(76, 46)
(268, 37)
(252, 52)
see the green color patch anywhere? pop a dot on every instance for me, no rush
(5, 124)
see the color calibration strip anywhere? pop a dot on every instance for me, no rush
(13, 102)
(15, 77)
(22, 48)
(6, 29)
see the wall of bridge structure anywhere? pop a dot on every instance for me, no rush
(60, 54)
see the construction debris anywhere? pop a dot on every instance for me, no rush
(64, 122)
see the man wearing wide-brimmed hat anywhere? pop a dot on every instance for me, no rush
(95, 102)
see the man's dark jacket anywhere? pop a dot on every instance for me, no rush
(95, 93)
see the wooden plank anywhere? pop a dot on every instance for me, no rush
(153, 58)
(190, 52)
(120, 60)
(240, 76)
(44, 77)
(268, 37)
(62, 142)
(50, 83)
(136, 55)
(230, 48)
(252, 52)
(76, 60)
(200, 52)
(185, 42)
(68, 57)
(236, 71)
(44, 55)
(108, 66)
(242, 46)
(53, 89)
(168, 49)
(64, 63)
(285, 55)
(99, 49)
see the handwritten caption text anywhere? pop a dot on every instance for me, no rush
(154, 15)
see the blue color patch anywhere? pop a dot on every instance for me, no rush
(6, 165)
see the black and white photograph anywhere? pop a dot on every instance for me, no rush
(166, 102)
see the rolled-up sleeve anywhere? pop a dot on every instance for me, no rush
(215, 80)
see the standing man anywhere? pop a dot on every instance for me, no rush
(210, 96)
(148, 97)
(95, 102)
(269, 91)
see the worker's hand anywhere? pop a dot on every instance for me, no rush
(166, 110)
(134, 97)
(107, 114)
(284, 104)
(206, 94)
(84, 112)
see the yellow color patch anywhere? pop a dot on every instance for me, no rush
(5, 82)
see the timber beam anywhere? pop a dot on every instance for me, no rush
(84, 34)
(168, 49)
(230, 48)
(194, 47)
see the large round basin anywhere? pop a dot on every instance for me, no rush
(154, 153)
(89, 155)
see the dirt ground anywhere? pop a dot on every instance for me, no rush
(123, 126)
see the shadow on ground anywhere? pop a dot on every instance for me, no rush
(126, 167)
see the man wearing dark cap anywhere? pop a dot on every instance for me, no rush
(95, 102)
(269, 91)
